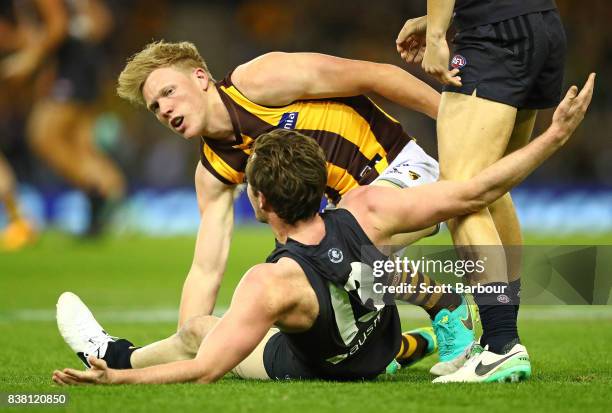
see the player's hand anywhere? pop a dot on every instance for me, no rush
(571, 110)
(410, 42)
(435, 63)
(99, 373)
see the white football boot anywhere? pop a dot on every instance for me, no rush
(79, 328)
(485, 366)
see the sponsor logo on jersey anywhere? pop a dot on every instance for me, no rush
(458, 61)
(335, 255)
(288, 120)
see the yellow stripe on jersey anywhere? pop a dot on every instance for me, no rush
(324, 115)
(339, 179)
(221, 167)
(381, 165)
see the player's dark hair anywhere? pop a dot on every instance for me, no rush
(290, 170)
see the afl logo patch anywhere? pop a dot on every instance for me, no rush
(335, 255)
(458, 61)
(503, 298)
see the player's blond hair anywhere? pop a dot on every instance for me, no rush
(182, 55)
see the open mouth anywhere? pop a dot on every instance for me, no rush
(176, 122)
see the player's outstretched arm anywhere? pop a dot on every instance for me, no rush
(278, 78)
(384, 212)
(216, 204)
(258, 302)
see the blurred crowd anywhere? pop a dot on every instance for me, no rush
(141, 153)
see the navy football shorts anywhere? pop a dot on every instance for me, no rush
(281, 363)
(519, 62)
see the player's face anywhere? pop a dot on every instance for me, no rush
(259, 213)
(178, 99)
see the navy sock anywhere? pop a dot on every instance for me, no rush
(515, 295)
(497, 314)
(118, 354)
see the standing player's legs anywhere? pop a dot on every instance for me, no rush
(519, 62)
(473, 133)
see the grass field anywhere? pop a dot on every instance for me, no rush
(133, 285)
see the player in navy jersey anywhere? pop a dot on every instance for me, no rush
(507, 62)
(313, 287)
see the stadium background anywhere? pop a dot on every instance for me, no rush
(571, 192)
(132, 277)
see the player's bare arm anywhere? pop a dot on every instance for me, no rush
(216, 205)
(392, 211)
(278, 78)
(266, 295)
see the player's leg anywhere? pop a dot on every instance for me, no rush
(109, 179)
(108, 184)
(504, 214)
(85, 336)
(473, 133)
(51, 129)
(62, 132)
(416, 345)
(185, 344)
(182, 345)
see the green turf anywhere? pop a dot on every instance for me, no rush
(571, 357)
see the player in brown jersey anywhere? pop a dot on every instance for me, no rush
(318, 95)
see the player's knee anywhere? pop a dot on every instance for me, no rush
(192, 333)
